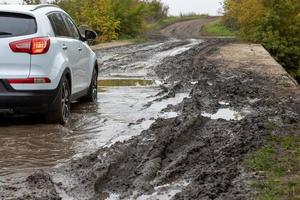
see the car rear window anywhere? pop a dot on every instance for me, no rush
(12, 24)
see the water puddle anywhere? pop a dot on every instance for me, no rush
(141, 61)
(126, 114)
(224, 103)
(224, 113)
(163, 192)
(28, 144)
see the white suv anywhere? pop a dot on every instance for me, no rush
(45, 62)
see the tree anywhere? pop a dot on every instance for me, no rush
(155, 11)
(97, 14)
(274, 23)
(114, 18)
(130, 15)
(30, 2)
(100, 18)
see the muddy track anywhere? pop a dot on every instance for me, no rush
(186, 29)
(197, 153)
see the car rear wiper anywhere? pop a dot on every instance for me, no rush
(5, 33)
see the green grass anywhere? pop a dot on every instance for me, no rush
(278, 163)
(216, 28)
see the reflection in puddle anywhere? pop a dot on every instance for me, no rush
(224, 113)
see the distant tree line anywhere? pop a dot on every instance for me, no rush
(274, 23)
(32, 1)
(113, 19)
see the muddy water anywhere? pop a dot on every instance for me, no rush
(127, 83)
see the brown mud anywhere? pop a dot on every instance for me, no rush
(194, 155)
(186, 29)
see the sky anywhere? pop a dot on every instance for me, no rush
(11, 1)
(211, 7)
(198, 6)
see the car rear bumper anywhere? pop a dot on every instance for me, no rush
(25, 101)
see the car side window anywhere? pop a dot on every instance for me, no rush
(58, 25)
(71, 27)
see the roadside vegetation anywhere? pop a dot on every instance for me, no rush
(276, 164)
(275, 24)
(216, 28)
(115, 19)
(120, 19)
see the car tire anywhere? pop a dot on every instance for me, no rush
(92, 95)
(60, 110)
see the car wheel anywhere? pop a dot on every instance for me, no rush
(92, 95)
(60, 111)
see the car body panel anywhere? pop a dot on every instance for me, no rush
(13, 65)
(78, 58)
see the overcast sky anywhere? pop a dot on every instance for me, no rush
(180, 6)
(198, 6)
(11, 1)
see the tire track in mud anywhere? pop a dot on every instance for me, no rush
(29, 144)
(140, 60)
(104, 124)
(186, 29)
(189, 156)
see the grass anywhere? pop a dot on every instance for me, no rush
(278, 162)
(216, 28)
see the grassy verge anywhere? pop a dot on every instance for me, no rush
(278, 164)
(216, 28)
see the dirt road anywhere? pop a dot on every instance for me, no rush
(127, 82)
(175, 119)
(186, 29)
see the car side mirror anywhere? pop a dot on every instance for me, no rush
(90, 35)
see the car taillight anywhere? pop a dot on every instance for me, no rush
(29, 81)
(38, 45)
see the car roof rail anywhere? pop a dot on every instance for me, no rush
(43, 6)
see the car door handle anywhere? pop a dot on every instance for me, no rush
(64, 47)
(79, 49)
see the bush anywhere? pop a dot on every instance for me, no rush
(96, 14)
(130, 14)
(113, 19)
(274, 23)
(155, 11)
